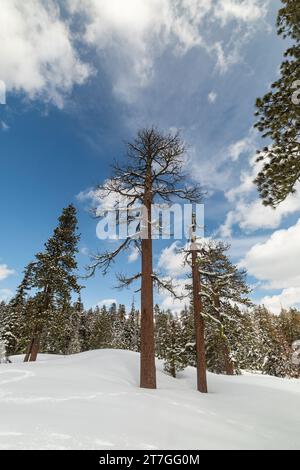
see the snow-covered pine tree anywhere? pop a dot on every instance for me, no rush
(175, 358)
(119, 341)
(161, 321)
(87, 331)
(222, 286)
(276, 352)
(132, 330)
(188, 335)
(101, 328)
(74, 346)
(11, 328)
(289, 323)
(52, 276)
(3, 357)
(242, 338)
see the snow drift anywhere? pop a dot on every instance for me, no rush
(92, 401)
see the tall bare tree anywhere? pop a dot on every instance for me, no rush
(153, 174)
(192, 255)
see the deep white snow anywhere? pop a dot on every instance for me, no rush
(92, 401)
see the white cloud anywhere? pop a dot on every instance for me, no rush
(37, 53)
(277, 260)
(171, 265)
(171, 261)
(241, 147)
(287, 299)
(244, 10)
(6, 295)
(212, 96)
(5, 272)
(134, 255)
(249, 213)
(129, 37)
(169, 302)
(252, 216)
(107, 302)
(240, 246)
(39, 45)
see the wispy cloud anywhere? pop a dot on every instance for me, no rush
(5, 272)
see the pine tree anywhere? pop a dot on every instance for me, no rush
(243, 340)
(132, 330)
(279, 116)
(88, 331)
(222, 286)
(188, 335)
(11, 328)
(52, 276)
(3, 356)
(276, 352)
(74, 346)
(175, 358)
(289, 324)
(119, 341)
(162, 319)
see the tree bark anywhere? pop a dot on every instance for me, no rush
(228, 364)
(35, 348)
(199, 327)
(148, 370)
(229, 369)
(28, 351)
(36, 339)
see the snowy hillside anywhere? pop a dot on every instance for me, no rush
(92, 401)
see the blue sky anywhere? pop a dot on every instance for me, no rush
(83, 77)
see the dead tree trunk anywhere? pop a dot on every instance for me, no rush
(148, 370)
(199, 327)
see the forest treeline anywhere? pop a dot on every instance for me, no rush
(257, 340)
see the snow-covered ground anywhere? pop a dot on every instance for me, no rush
(92, 401)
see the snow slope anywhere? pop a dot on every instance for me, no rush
(92, 401)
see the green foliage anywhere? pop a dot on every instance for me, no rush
(43, 300)
(279, 117)
(172, 339)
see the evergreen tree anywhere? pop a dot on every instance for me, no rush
(11, 326)
(3, 356)
(223, 285)
(74, 345)
(276, 353)
(132, 330)
(52, 277)
(188, 335)
(161, 327)
(289, 324)
(175, 358)
(88, 331)
(119, 341)
(279, 116)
